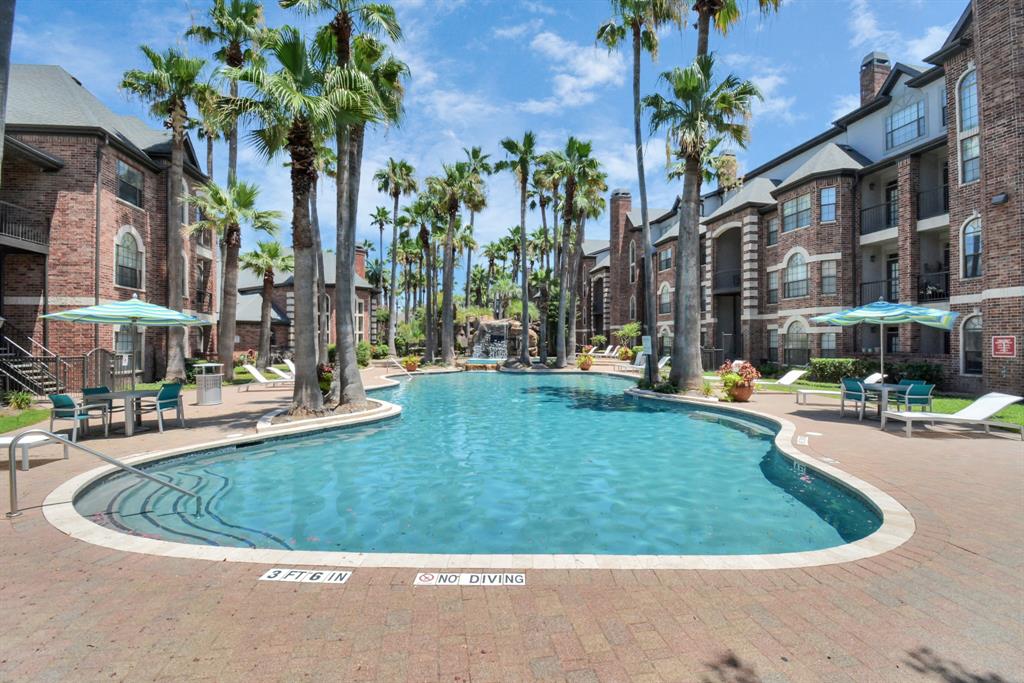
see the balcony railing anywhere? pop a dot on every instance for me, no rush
(728, 280)
(933, 287)
(934, 202)
(886, 290)
(24, 224)
(879, 217)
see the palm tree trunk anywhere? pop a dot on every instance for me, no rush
(229, 300)
(469, 264)
(393, 300)
(563, 280)
(209, 157)
(323, 310)
(448, 310)
(428, 317)
(524, 342)
(175, 263)
(233, 138)
(265, 311)
(687, 372)
(346, 365)
(574, 294)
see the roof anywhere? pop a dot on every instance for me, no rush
(668, 235)
(248, 280)
(756, 192)
(831, 159)
(591, 247)
(956, 40)
(603, 261)
(44, 160)
(46, 96)
(653, 215)
(250, 310)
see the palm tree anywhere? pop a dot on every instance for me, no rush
(479, 164)
(697, 111)
(641, 20)
(397, 178)
(212, 124)
(590, 204)
(236, 26)
(725, 14)
(478, 281)
(292, 106)
(172, 80)
(380, 218)
(521, 156)
(266, 261)
(225, 210)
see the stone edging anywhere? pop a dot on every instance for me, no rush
(383, 411)
(897, 525)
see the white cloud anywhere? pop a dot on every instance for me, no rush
(770, 78)
(868, 33)
(537, 7)
(518, 30)
(456, 106)
(579, 71)
(844, 104)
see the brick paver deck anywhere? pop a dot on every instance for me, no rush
(946, 606)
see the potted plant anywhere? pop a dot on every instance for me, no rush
(738, 382)
(411, 363)
(584, 361)
(598, 341)
(624, 353)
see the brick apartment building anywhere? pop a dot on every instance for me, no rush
(915, 197)
(83, 220)
(283, 305)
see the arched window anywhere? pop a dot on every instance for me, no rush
(797, 344)
(971, 347)
(796, 276)
(128, 262)
(971, 246)
(632, 308)
(632, 263)
(664, 300)
(968, 101)
(969, 144)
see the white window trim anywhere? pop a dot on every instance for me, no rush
(142, 256)
(961, 135)
(631, 312)
(632, 263)
(963, 346)
(975, 216)
(835, 204)
(924, 117)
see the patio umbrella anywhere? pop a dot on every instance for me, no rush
(132, 312)
(883, 313)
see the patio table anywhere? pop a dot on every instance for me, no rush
(883, 402)
(130, 400)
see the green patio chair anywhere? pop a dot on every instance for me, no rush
(853, 390)
(67, 409)
(92, 391)
(168, 398)
(917, 394)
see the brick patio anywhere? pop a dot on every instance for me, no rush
(946, 606)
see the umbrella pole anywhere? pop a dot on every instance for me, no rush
(881, 363)
(135, 349)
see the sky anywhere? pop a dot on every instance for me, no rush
(482, 70)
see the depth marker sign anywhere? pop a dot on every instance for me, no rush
(456, 579)
(306, 576)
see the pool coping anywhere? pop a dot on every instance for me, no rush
(897, 523)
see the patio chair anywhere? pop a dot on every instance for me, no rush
(281, 373)
(853, 390)
(290, 365)
(168, 398)
(260, 380)
(92, 391)
(638, 364)
(609, 352)
(917, 394)
(67, 409)
(977, 413)
(784, 381)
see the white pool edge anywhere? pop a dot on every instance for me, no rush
(897, 523)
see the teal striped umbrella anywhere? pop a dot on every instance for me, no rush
(884, 313)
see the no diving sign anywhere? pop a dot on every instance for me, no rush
(457, 579)
(306, 575)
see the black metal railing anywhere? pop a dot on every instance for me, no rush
(24, 224)
(886, 290)
(933, 287)
(711, 359)
(879, 217)
(729, 279)
(933, 202)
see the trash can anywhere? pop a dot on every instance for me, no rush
(209, 379)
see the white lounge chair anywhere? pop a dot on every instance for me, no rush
(610, 352)
(784, 381)
(977, 413)
(802, 394)
(291, 366)
(30, 441)
(638, 364)
(281, 373)
(263, 381)
(664, 361)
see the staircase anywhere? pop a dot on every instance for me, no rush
(20, 370)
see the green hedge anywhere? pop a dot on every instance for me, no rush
(834, 369)
(363, 353)
(929, 372)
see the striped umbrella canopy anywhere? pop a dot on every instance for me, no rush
(130, 312)
(884, 313)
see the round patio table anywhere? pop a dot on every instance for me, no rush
(130, 400)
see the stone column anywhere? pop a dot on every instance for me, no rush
(909, 174)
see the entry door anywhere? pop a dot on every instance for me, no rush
(892, 278)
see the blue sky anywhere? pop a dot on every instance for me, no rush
(486, 69)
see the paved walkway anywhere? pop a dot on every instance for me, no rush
(946, 606)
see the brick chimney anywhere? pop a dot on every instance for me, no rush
(361, 262)
(874, 69)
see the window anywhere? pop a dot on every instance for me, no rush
(972, 249)
(972, 346)
(970, 159)
(829, 271)
(827, 204)
(828, 345)
(128, 262)
(892, 204)
(632, 262)
(664, 300)
(968, 102)
(360, 314)
(797, 346)
(904, 125)
(796, 213)
(129, 184)
(632, 308)
(703, 299)
(665, 259)
(773, 287)
(773, 231)
(796, 277)
(664, 344)
(892, 339)
(703, 248)
(202, 277)
(967, 115)
(943, 103)
(773, 346)
(125, 346)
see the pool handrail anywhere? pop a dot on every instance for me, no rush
(400, 366)
(15, 511)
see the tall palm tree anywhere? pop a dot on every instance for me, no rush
(479, 164)
(478, 282)
(236, 27)
(172, 80)
(212, 123)
(640, 21)
(696, 111)
(397, 178)
(225, 210)
(725, 14)
(265, 262)
(380, 218)
(590, 204)
(465, 241)
(521, 157)
(291, 107)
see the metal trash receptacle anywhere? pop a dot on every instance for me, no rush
(209, 380)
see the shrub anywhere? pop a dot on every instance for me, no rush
(832, 370)
(584, 361)
(363, 353)
(637, 350)
(324, 376)
(627, 333)
(929, 372)
(411, 363)
(380, 351)
(624, 353)
(770, 369)
(599, 340)
(332, 353)
(19, 400)
(745, 376)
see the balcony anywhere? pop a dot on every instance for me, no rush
(934, 202)
(886, 290)
(879, 217)
(728, 280)
(202, 301)
(933, 287)
(23, 227)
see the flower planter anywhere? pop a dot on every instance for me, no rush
(741, 394)
(586, 365)
(411, 367)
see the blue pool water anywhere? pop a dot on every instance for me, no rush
(500, 463)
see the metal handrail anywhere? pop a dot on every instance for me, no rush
(12, 457)
(52, 354)
(400, 366)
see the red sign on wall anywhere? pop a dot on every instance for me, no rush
(1004, 346)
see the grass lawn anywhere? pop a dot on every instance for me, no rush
(241, 377)
(11, 420)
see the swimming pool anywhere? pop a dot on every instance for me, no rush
(501, 464)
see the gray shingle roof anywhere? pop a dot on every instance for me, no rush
(591, 247)
(830, 159)
(653, 215)
(248, 280)
(603, 261)
(250, 309)
(756, 191)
